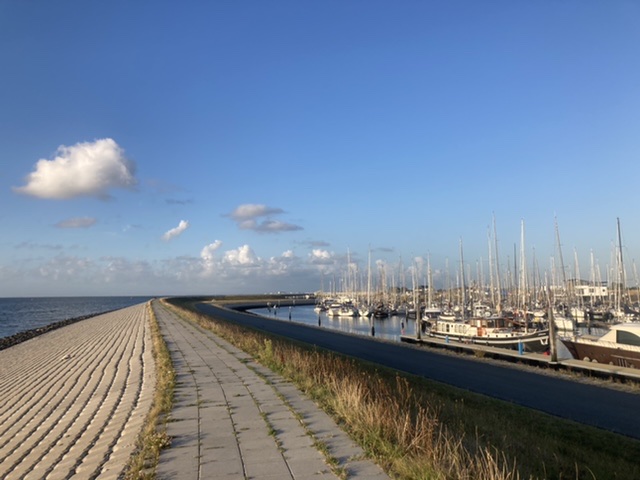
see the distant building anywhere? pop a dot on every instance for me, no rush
(592, 292)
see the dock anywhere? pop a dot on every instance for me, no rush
(591, 369)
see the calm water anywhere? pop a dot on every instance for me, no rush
(387, 328)
(20, 314)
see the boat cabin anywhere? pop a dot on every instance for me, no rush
(623, 334)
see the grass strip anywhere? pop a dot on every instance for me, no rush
(153, 437)
(420, 429)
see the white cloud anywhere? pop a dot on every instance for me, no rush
(320, 257)
(243, 255)
(88, 169)
(207, 258)
(174, 232)
(272, 226)
(250, 210)
(207, 252)
(246, 217)
(76, 222)
(213, 271)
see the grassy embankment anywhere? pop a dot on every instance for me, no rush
(418, 429)
(153, 437)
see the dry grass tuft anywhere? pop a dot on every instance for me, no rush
(416, 429)
(153, 437)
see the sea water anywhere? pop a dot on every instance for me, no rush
(21, 314)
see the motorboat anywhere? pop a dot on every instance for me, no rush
(619, 346)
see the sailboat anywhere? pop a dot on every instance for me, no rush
(495, 331)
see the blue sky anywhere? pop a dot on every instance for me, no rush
(225, 147)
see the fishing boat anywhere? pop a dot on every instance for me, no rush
(619, 346)
(490, 331)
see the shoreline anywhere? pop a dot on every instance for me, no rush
(74, 400)
(17, 338)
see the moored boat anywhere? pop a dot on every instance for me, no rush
(491, 331)
(344, 308)
(619, 346)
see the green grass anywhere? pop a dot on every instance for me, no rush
(420, 429)
(153, 437)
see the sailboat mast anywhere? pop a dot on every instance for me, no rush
(491, 288)
(578, 277)
(593, 279)
(462, 290)
(498, 283)
(620, 263)
(430, 282)
(523, 268)
(564, 276)
(369, 280)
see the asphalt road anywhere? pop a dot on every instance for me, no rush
(601, 407)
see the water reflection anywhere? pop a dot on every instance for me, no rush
(388, 328)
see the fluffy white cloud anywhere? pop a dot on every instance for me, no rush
(207, 252)
(246, 217)
(320, 257)
(76, 222)
(207, 258)
(84, 169)
(243, 255)
(174, 232)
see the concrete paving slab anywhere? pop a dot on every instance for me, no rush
(257, 432)
(72, 400)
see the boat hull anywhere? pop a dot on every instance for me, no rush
(535, 342)
(591, 352)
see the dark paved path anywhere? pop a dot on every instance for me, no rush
(594, 405)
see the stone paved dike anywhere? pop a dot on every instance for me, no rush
(72, 401)
(234, 419)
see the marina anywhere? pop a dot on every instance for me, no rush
(390, 328)
(399, 328)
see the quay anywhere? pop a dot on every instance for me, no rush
(597, 370)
